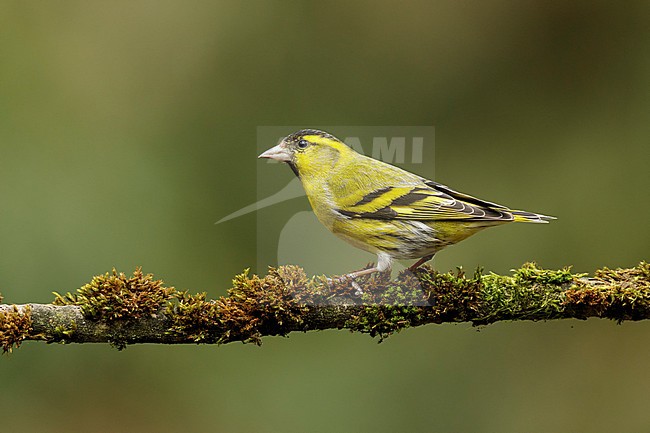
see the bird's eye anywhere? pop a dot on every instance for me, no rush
(303, 143)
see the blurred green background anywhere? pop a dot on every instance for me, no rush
(128, 128)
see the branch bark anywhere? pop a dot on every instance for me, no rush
(119, 309)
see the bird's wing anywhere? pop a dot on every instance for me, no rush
(428, 201)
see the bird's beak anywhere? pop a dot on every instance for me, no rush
(279, 153)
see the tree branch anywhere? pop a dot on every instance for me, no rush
(122, 310)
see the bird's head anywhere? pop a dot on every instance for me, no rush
(309, 152)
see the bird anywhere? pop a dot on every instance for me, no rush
(381, 208)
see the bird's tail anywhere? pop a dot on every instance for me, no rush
(529, 217)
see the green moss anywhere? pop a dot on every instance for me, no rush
(254, 307)
(62, 334)
(285, 298)
(427, 296)
(194, 317)
(384, 320)
(451, 296)
(388, 306)
(618, 294)
(115, 296)
(14, 328)
(530, 293)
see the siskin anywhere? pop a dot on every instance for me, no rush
(381, 208)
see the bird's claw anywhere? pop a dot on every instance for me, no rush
(343, 279)
(356, 287)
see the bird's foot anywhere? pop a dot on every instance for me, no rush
(350, 279)
(356, 287)
(345, 279)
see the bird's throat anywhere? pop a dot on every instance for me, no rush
(293, 168)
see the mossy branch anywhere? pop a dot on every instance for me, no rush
(119, 309)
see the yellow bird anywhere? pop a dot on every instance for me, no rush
(381, 208)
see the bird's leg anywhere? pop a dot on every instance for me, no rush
(362, 272)
(384, 263)
(420, 262)
(351, 276)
